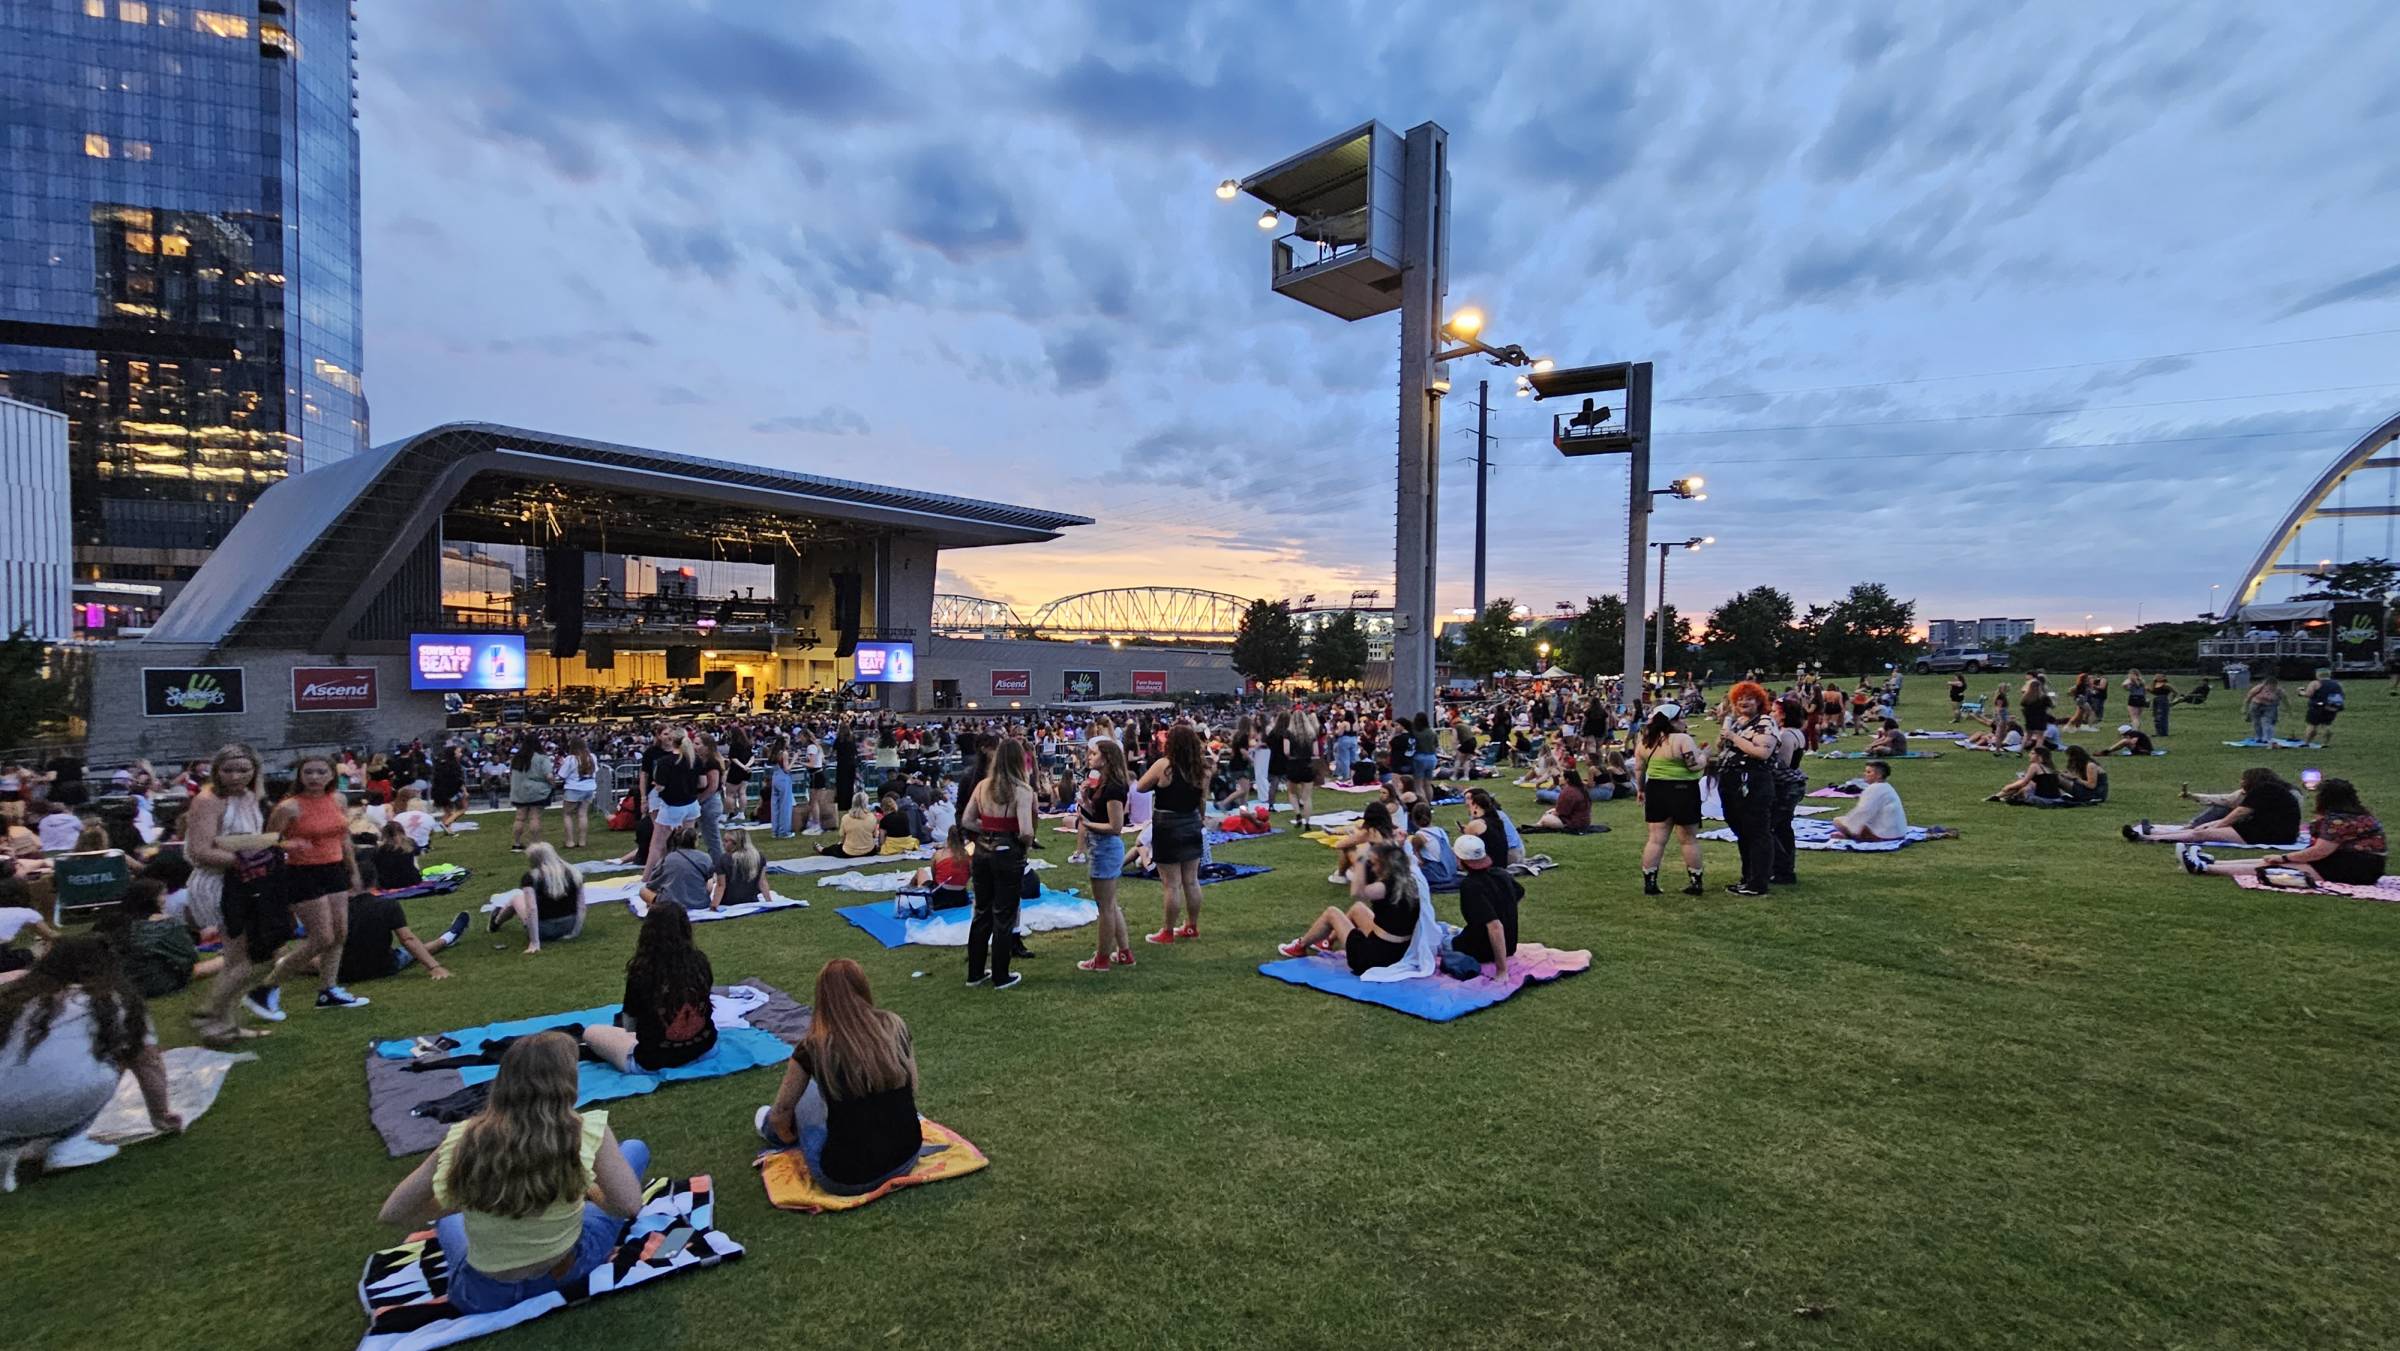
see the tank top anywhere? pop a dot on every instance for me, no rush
(1668, 768)
(1175, 795)
(314, 838)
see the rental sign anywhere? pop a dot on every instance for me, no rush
(333, 689)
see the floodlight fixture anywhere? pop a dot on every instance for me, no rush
(1544, 364)
(1228, 190)
(1464, 324)
(1268, 220)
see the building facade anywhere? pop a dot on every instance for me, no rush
(1940, 633)
(35, 589)
(179, 259)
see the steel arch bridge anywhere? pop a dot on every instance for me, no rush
(2328, 501)
(1153, 613)
(973, 614)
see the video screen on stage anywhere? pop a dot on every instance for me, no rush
(466, 661)
(887, 663)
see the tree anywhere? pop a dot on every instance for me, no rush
(1679, 637)
(1752, 630)
(2366, 579)
(32, 696)
(1865, 629)
(1595, 643)
(1268, 647)
(1490, 642)
(1337, 654)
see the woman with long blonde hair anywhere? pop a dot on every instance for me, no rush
(227, 819)
(849, 1095)
(505, 1188)
(676, 784)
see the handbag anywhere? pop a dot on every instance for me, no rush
(255, 867)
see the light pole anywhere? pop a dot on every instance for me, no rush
(1541, 652)
(1598, 430)
(1664, 548)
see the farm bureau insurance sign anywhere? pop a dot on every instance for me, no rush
(183, 691)
(1007, 684)
(332, 689)
(1149, 682)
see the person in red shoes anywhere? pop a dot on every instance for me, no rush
(1385, 909)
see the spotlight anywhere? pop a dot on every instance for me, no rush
(1466, 323)
(1268, 220)
(1227, 190)
(1543, 363)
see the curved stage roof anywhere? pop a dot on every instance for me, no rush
(311, 554)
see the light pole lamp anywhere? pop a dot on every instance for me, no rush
(1598, 429)
(1664, 548)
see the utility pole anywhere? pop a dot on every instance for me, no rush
(1483, 467)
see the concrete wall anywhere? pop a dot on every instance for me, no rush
(120, 731)
(971, 661)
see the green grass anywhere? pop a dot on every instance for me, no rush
(2030, 1088)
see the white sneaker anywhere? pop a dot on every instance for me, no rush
(1338, 879)
(80, 1151)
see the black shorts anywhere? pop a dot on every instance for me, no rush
(2351, 868)
(1175, 837)
(1366, 952)
(2321, 716)
(1672, 800)
(308, 882)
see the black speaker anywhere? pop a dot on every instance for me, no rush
(562, 599)
(683, 663)
(846, 587)
(718, 687)
(600, 655)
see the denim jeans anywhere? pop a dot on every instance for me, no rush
(779, 803)
(2158, 717)
(473, 1292)
(712, 828)
(2262, 724)
(1345, 754)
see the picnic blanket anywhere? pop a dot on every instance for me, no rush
(406, 1289)
(2279, 743)
(898, 881)
(1862, 755)
(757, 1025)
(431, 886)
(195, 1074)
(1209, 872)
(594, 867)
(827, 863)
(2385, 889)
(1850, 795)
(2220, 846)
(1435, 998)
(945, 1154)
(742, 911)
(1325, 819)
(948, 928)
(1922, 735)
(1820, 835)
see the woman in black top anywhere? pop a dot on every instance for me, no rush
(666, 1000)
(1958, 695)
(2039, 783)
(1177, 780)
(2267, 812)
(1384, 911)
(450, 785)
(849, 1095)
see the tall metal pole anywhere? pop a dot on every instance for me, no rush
(1483, 467)
(1637, 536)
(1662, 607)
(1424, 255)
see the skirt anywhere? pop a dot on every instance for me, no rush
(1176, 837)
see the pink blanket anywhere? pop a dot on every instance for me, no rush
(2388, 889)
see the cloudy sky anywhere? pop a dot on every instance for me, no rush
(2038, 310)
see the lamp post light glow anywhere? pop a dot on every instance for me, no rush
(1466, 323)
(1268, 220)
(1227, 190)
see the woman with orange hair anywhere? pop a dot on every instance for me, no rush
(1744, 765)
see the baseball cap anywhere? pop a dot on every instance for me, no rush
(1470, 852)
(1670, 711)
(2123, 728)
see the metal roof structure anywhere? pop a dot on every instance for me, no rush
(312, 553)
(2321, 502)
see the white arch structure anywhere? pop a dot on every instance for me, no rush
(2367, 453)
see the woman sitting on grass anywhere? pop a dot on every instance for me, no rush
(155, 948)
(1385, 908)
(2084, 782)
(849, 1095)
(2346, 844)
(683, 873)
(744, 878)
(862, 833)
(69, 1028)
(1374, 828)
(1572, 813)
(2266, 811)
(666, 1000)
(1499, 834)
(548, 900)
(948, 877)
(394, 859)
(506, 1189)
(2037, 785)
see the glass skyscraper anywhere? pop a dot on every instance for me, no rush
(179, 258)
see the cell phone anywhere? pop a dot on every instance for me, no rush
(2310, 778)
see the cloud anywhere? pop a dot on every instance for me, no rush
(2377, 285)
(676, 396)
(950, 205)
(1079, 359)
(571, 344)
(831, 420)
(704, 249)
(1238, 108)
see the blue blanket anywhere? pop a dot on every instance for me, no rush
(1436, 998)
(2280, 743)
(1218, 837)
(737, 1049)
(947, 928)
(1211, 871)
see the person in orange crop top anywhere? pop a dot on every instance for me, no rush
(320, 874)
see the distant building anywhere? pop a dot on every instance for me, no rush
(1964, 632)
(179, 261)
(34, 575)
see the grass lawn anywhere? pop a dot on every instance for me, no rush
(2034, 1087)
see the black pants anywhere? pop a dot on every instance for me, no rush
(1787, 850)
(998, 872)
(1752, 818)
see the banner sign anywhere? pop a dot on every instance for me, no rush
(1012, 684)
(332, 689)
(182, 691)
(466, 661)
(1083, 684)
(1149, 682)
(886, 663)
(2358, 635)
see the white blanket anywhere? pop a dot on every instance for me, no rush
(949, 929)
(898, 880)
(1424, 955)
(773, 902)
(827, 863)
(194, 1076)
(1818, 835)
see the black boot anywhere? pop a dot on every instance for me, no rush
(1650, 883)
(1695, 888)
